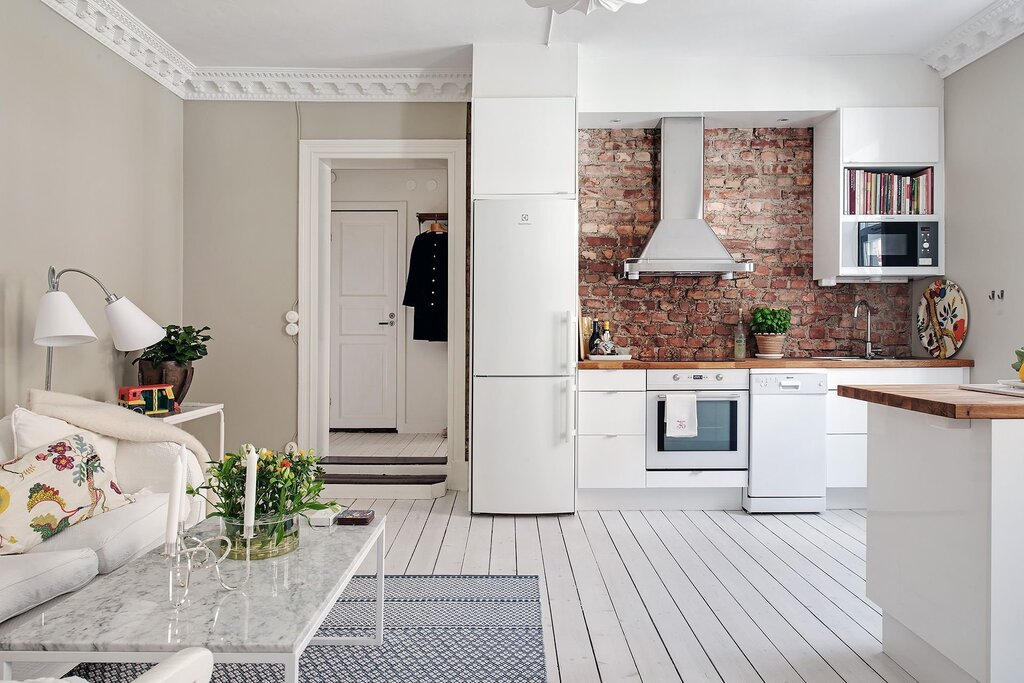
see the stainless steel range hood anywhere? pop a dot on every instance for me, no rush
(682, 243)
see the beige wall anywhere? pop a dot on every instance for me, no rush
(241, 240)
(90, 177)
(983, 110)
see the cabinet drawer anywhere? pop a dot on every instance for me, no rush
(611, 462)
(615, 413)
(845, 415)
(847, 458)
(954, 375)
(613, 380)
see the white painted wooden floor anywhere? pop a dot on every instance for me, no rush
(668, 596)
(388, 444)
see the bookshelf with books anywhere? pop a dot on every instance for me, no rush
(875, 164)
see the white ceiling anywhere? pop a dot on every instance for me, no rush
(438, 34)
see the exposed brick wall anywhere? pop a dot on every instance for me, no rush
(757, 189)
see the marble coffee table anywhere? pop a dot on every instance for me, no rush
(125, 616)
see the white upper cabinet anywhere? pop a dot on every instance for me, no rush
(884, 135)
(524, 146)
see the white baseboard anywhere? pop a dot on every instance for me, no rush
(917, 657)
(660, 499)
(846, 498)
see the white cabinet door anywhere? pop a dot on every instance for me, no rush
(613, 380)
(524, 146)
(845, 415)
(525, 287)
(612, 462)
(523, 449)
(613, 412)
(364, 313)
(847, 460)
(883, 135)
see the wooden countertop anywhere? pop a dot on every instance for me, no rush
(781, 363)
(944, 400)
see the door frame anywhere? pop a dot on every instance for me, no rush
(402, 209)
(315, 157)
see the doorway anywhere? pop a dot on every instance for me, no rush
(317, 160)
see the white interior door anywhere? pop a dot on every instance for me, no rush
(364, 319)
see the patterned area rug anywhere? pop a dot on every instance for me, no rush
(437, 628)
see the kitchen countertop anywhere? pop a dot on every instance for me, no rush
(944, 400)
(781, 363)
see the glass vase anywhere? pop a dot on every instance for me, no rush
(274, 536)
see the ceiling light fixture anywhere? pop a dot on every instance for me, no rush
(584, 6)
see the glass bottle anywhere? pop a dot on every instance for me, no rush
(595, 336)
(739, 340)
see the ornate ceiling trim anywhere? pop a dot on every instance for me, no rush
(997, 24)
(329, 85)
(121, 31)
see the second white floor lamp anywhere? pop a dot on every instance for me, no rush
(59, 322)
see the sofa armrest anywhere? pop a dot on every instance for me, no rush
(147, 465)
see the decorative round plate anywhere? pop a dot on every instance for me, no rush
(942, 318)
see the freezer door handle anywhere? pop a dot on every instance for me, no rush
(570, 430)
(570, 342)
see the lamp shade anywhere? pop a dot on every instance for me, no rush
(59, 322)
(130, 328)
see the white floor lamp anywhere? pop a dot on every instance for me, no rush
(59, 323)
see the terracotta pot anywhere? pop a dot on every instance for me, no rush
(770, 343)
(169, 372)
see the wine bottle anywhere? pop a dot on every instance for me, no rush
(595, 337)
(739, 340)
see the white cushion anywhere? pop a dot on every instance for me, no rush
(116, 536)
(7, 450)
(31, 430)
(30, 580)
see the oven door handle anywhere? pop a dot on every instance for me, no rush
(710, 396)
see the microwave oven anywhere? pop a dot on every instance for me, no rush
(897, 244)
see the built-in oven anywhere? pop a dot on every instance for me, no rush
(721, 442)
(897, 244)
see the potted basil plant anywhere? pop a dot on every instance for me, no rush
(769, 327)
(169, 361)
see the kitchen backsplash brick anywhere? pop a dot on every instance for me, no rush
(758, 192)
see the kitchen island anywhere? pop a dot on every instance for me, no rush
(945, 542)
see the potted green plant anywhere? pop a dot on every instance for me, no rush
(769, 327)
(288, 485)
(169, 361)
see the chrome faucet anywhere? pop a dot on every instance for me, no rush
(868, 352)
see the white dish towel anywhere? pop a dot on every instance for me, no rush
(681, 415)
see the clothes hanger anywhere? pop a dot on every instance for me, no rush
(436, 226)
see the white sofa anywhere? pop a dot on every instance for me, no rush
(33, 581)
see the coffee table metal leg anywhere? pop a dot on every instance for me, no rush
(380, 588)
(291, 669)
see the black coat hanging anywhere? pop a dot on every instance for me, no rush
(426, 289)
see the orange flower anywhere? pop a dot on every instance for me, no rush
(959, 330)
(286, 463)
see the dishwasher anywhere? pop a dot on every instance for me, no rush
(787, 443)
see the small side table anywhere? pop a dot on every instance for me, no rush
(194, 411)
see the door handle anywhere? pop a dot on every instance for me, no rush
(387, 322)
(569, 431)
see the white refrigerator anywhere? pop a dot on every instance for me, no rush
(525, 345)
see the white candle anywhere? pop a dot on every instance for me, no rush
(183, 456)
(249, 509)
(174, 503)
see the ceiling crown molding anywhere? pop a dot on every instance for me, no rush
(121, 31)
(997, 24)
(329, 85)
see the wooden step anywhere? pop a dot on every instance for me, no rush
(390, 486)
(383, 460)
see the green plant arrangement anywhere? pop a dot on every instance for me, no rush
(169, 361)
(769, 327)
(1019, 365)
(181, 345)
(288, 485)
(770, 320)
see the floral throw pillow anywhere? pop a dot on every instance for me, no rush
(51, 488)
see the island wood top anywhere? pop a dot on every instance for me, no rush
(766, 363)
(944, 400)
